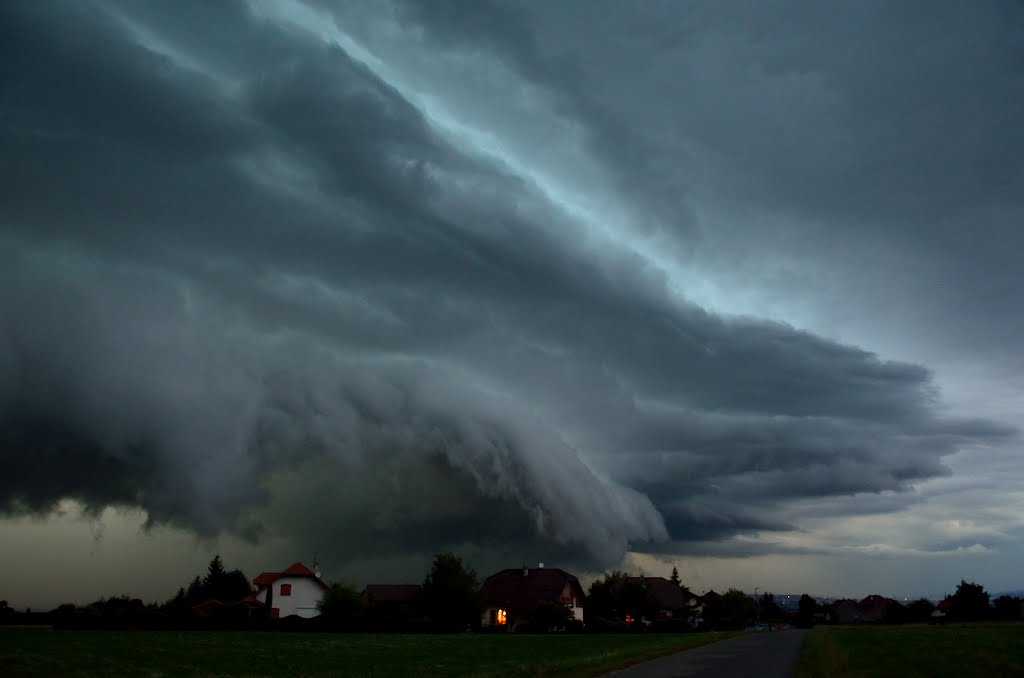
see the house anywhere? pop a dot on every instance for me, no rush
(294, 591)
(876, 609)
(208, 608)
(844, 611)
(665, 596)
(665, 600)
(693, 610)
(513, 596)
(942, 610)
(391, 607)
(236, 610)
(382, 595)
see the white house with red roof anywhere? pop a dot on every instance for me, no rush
(294, 591)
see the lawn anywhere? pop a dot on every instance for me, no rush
(954, 650)
(42, 652)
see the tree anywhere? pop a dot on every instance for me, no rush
(215, 572)
(806, 608)
(617, 598)
(601, 600)
(341, 606)
(1008, 608)
(970, 602)
(451, 593)
(675, 576)
(920, 610)
(737, 610)
(218, 583)
(550, 615)
(223, 585)
(233, 586)
(769, 609)
(195, 593)
(895, 613)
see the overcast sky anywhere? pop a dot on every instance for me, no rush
(732, 286)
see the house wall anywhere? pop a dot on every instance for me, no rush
(572, 599)
(305, 594)
(489, 614)
(694, 613)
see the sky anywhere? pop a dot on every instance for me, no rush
(727, 286)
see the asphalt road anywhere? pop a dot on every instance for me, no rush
(766, 654)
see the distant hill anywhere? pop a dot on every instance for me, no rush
(1019, 593)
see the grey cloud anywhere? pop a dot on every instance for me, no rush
(787, 149)
(223, 286)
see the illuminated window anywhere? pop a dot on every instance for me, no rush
(502, 617)
(286, 589)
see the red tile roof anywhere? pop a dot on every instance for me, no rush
(299, 570)
(266, 578)
(296, 569)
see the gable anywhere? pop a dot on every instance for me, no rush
(515, 590)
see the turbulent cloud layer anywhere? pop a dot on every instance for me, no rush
(444, 274)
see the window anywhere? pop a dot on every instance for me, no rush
(286, 589)
(502, 617)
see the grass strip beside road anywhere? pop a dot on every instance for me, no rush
(995, 649)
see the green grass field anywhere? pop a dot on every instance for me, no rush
(907, 651)
(42, 652)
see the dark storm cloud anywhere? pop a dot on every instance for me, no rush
(255, 272)
(878, 135)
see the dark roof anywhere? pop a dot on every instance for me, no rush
(265, 578)
(207, 607)
(665, 593)
(391, 593)
(296, 569)
(874, 607)
(515, 590)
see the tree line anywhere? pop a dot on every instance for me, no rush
(449, 600)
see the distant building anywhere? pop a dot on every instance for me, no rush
(512, 596)
(392, 607)
(665, 596)
(844, 611)
(694, 610)
(390, 594)
(667, 600)
(875, 609)
(294, 591)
